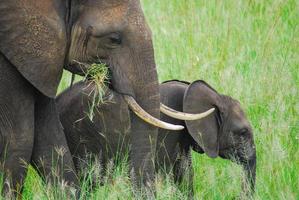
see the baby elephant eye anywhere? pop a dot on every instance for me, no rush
(115, 39)
(243, 131)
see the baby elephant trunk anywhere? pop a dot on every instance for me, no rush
(249, 166)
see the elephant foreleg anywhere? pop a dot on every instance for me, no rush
(16, 125)
(17, 143)
(51, 155)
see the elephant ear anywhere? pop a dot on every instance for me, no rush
(200, 97)
(33, 39)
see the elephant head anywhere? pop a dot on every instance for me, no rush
(226, 132)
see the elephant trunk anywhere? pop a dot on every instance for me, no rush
(249, 166)
(144, 138)
(136, 76)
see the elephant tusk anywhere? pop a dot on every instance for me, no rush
(184, 116)
(147, 117)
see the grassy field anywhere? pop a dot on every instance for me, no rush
(248, 49)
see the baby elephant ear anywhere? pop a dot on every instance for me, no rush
(33, 39)
(200, 97)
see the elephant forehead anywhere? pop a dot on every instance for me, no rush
(112, 12)
(238, 112)
(107, 3)
(238, 117)
(106, 18)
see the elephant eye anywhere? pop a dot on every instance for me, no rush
(243, 131)
(115, 39)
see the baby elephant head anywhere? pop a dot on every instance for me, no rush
(226, 132)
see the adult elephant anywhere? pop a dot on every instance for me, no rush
(38, 38)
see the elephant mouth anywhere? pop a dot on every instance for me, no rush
(232, 153)
(228, 153)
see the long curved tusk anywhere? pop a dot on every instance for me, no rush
(184, 116)
(147, 117)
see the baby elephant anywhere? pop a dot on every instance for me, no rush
(225, 133)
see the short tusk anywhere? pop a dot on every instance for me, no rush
(147, 117)
(184, 116)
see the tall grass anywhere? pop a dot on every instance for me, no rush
(246, 49)
(249, 50)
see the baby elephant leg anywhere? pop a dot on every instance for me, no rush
(51, 155)
(183, 173)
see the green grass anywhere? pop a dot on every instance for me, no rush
(247, 49)
(250, 51)
(96, 74)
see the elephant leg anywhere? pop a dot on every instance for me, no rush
(16, 125)
(51, 155)
(183, 173)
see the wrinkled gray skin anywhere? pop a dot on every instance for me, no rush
(38, 38)
(109, 133)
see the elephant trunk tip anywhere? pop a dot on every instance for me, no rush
(250, 172)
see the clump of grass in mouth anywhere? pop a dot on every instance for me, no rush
(97, 74)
